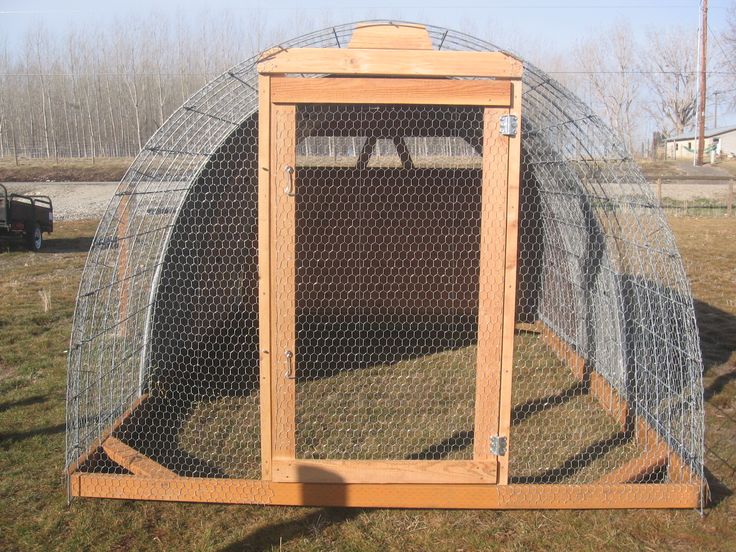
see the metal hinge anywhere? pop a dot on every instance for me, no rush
(498, 445)
(509, 124)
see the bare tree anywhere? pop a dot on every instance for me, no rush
(668, 64)
(609, 61)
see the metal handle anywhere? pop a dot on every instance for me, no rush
(288, 169)
(289, 365)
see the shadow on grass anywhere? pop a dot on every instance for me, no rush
(36, 399)
(50, 245)
(521, 412)
(21, 435)
(67, 245)
(717, 330)
(276, 535)
(460, 440)
(578, 461)
(719, 491)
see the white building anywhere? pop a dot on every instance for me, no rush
(722, 141)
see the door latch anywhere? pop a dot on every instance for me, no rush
(290, 365)
(289, 190)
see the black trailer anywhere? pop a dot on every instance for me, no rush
(26, 216)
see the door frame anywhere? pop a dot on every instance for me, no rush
(278, 96)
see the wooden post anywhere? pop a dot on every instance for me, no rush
(264, 268)
(729, 208)
(659, 190)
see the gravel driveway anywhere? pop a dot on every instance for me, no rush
(72, 200)
(88, 200)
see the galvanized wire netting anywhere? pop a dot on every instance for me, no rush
(387, 280)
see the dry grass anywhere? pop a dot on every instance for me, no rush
(104, 169)
(34, 514)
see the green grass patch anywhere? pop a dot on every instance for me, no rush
(34, 335)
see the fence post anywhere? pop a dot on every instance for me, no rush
(659, 190)
(729, 209)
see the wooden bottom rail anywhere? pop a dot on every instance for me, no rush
(610, 400)
(509, 497)
(97, 443)
(134, 461)
(380, 471)
(636, 469)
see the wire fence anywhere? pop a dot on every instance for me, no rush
(607, 368)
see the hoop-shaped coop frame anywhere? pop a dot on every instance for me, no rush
(430, 277)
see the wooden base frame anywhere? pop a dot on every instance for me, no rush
(615, 490)
(449, 496)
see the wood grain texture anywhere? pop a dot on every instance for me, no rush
(234, 491)
(384, 471)
(116, 424)
(134, 461)
(376, 90)
(264, 269)
(404, 36)
(511, 264)
(491, 284)
(283, 283)
(636, 469)
(390, 62)
(608, 397)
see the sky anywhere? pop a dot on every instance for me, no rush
(522, 26)
(554, 22)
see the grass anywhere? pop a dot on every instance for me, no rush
(36, 304)
(103, 169)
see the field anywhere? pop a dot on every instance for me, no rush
(103, 169)
(36, 305)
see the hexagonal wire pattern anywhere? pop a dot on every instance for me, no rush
(168, 306)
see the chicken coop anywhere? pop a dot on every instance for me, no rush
(392, 265)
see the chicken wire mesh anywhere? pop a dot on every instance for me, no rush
(164, 348)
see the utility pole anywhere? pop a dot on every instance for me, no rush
(702, 84)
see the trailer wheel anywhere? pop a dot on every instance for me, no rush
(34, 238)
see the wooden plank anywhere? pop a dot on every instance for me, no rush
(529, 327)
(390, 62)
(646, 437)
(404, 36)
(609, 399)
(234, 491)
(116, 424)
(383, 471)
(491, 284)
(134, 461)
(510, 283)
(283, 323)
(677, 469)
(264, 269)
(376, 90)
(636, 469)
(564, 352)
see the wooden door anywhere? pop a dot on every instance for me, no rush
(388, 277)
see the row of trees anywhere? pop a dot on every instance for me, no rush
(91, 92)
